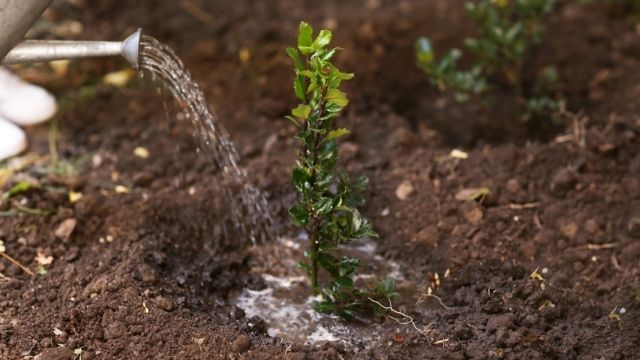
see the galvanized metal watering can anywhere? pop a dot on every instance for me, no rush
(17, 16)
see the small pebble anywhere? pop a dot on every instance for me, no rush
(242, 343)
(164, 303)
(404, 190)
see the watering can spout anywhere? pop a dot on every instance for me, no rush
(17, 16)
(48, 50)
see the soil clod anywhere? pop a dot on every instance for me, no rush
(241, 344)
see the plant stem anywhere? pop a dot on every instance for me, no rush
(314, 265)
(314, 234)
(315, 230)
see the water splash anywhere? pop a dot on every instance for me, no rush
(286, 307)
(248, 206)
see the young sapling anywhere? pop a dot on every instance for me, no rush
(508, 30)
(328, 199)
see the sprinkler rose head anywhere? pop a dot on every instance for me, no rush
(131, 48)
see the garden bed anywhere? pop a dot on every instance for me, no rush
(541, 268)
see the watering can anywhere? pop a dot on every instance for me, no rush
(17, 16)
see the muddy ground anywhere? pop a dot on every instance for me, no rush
(149, 273)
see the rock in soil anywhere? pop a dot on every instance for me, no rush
(499, 322)
(404, 190)
(562, 181)
(401, 137)
(65, 229)
(472, 212)
(96, 286)
(513, 186)
(427, 236)
(57, 353)
(569, 229)
(164, 303)
(633, 227)
(295, 356)
(242, 343)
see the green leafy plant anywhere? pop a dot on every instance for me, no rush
(508, 29)
(328, 199)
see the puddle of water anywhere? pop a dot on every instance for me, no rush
(285, 304)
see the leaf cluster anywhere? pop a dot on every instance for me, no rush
(508, 29)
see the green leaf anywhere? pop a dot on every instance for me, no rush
(305, 38)
(294, 121)
(337, 97)
(334, 134)
(302, 111)
(300, 178)
(327, 55)
(348, 265)
(304, 266)
(346, 76)
(41, 270)
(299, 215)
(308, 73)
(356, 220)
(344, 282)
(329, 263)
(424, 51)
(323, 39)
(361, 183)
(334, 108)
(298, 87)
(19, 188)
(323, 206)
(297, 61)
(328, 150)
(324, 307)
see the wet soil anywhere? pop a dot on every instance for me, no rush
(545, 267)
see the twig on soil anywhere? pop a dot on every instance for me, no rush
(404, 318)
(580, 130)
(523, 206)
(616, 263)
(536, 220)
(601, 246)
(9, 213)
(30, 211)
(286, 351)
(424, 296)
(17, 263)
(441, 341)
(579, 135)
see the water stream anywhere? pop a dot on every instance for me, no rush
(247, 205)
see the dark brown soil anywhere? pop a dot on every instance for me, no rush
(147, 274)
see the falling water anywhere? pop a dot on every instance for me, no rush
(248, 206)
